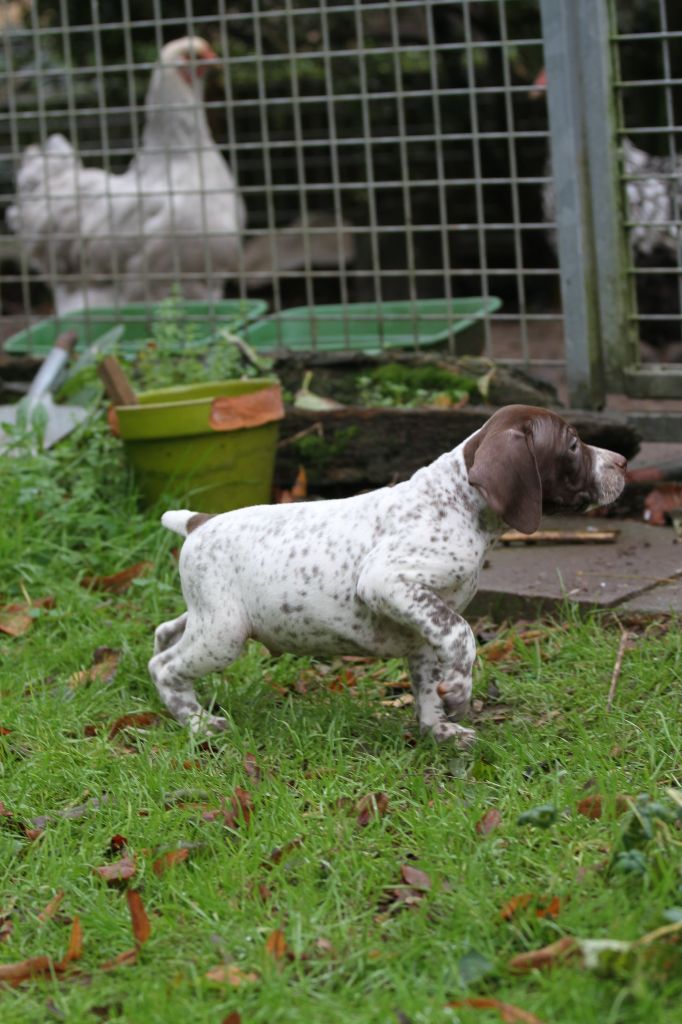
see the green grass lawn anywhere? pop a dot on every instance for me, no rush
(320, 931)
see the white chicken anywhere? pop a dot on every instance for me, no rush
(174, 216)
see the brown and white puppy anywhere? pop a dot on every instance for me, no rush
(386, 573)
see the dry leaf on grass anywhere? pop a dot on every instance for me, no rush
(402, 701)
(120, 870)
(238, 810)
(22, 970)
(543, 906)
(498, 650)
(119, 581)
(509, 1014)
(4, 731)
(138, 916)
(233, 1018)
(374, 805)
(52, 907)
(604, 956)
(416, 878)
(417, 883)
(103, 669)
(141, 932)
(6, 923)
(16, 619)
(231, 974)
(135, 720)
(490, 820)
(276, 945)
(591, 806)
(124, 959)
(169, 860)
(280, 852)
(547, 956)
(252, 768)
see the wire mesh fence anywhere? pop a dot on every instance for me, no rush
(384, 151)
(322, 156)
(647, 52)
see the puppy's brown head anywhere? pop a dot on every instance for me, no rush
(527, 462)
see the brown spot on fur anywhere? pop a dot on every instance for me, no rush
(198, 520)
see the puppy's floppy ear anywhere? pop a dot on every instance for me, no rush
(504, 470)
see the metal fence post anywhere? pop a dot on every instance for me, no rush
(586, 191)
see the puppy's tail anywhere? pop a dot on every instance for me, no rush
(183, 521)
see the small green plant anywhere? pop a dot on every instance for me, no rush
(398, 386)
(177, 353)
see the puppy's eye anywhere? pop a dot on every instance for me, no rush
(573, 446)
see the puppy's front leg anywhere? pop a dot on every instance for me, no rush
(442, 695)
(441, 668)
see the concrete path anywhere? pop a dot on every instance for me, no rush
(641, 571)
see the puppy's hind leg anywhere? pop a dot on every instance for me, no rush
(168, 633)
(198, 650)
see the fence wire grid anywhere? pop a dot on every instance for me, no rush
(384, 151)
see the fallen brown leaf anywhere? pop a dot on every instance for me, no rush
(514, 904)
(135, 720)
(120, 869)
(15, 973)
(138, 916)
(276, 944)
(659, 502)
(403, 701)
(543, 907)
(591, 806)
(299, 489)
(280, 852)
(547, 956)
(252, 767)
(509, 1013)
(6, 923)
(415, 878)
(169, 860)
(128, 956)
(233, 1018)
(374, 805)
(239, 808)
(102, 670)
(490, 820)
(119, 581)
(52, 907)
(15, 619)
(75, 947)
(231, 974)
(497, 650)
(4, 731)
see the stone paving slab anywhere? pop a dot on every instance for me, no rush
(641, 571)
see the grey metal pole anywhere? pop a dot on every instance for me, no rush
(586, 191)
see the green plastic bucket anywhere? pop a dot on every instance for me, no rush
(137, 320)
(189, 444)
(372, 326)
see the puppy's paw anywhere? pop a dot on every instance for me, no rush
(450, 732)
(204, 724)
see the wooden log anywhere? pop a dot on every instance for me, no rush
(560, 537)
(352, 448)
